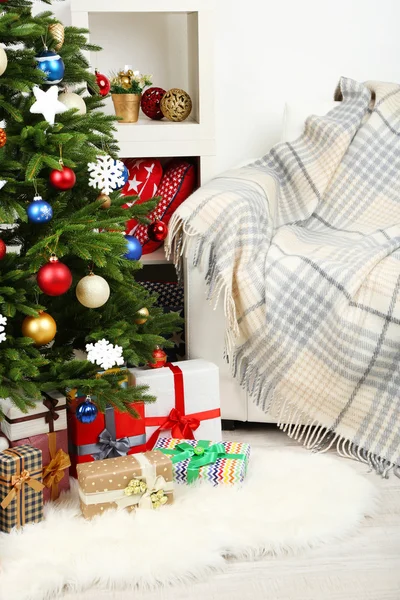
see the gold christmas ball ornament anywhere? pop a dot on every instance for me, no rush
(106, 201)
(176, 105)
(56, 30)
(3, 60)
(143, 314)
(41, 329)
(92, 291)
(71, 100)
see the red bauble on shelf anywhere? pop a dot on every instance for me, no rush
(157, 231)
(3, 249)
(160, 358)
(150, 103)
(103, 83)
(64, 179)
(54, 278)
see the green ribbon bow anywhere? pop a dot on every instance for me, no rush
(200, 455)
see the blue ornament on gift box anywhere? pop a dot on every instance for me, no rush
(87, 411)
(39, 211)
(52, 65)
(134, 248)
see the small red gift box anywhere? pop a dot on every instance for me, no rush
(55, 460)
(111, 434)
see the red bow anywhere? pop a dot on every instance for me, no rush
(181, 427)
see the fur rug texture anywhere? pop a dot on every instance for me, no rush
(291, 500)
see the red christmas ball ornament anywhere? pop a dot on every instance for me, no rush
(160, 358)
(157, 231)
(150, 103)
(103, 83)
(3, 137)
(54, 278)
(3, 249)
(64, 179)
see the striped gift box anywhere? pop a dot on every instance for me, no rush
(230, 469)
(21, 487)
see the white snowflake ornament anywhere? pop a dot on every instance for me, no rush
(107, 174)
(104, 354)
(3, 323)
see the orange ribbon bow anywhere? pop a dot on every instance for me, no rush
(17, 481)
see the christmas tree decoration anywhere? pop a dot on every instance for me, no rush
(72, 100)
(103, 82)
(125, 175)
(107, 174)
(2, 183)
(56, 31)
(47, 104)
(105, 354)
(134, 248)
(150, 103)
(92, 291)
(52, 66)
(39, 211)
(63, 179)
(54, 278)
(157, 231)
(176, 105)
(87, 411)
(3, 138)
(160, 358)
(126, 90)
(3, 323)
(143, 314)
(41, 329)
(3, 61)
(3, 249)
(105, 201)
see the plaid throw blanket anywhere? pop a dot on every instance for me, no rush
(304, 246)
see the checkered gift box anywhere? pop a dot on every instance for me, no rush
(20, 487)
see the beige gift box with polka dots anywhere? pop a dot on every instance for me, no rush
(126, 483)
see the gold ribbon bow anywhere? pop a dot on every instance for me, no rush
(54, 471)
(17, 481)
(138, 487)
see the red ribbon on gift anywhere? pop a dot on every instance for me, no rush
(181, 425)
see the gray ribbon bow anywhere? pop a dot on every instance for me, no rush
(110, 447)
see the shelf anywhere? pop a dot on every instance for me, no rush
(171, 6)
(163, 138)
(156, 258)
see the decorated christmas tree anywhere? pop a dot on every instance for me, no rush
(66, 269)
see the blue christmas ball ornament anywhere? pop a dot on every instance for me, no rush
(87, 411)
(39, 211)
(124, 174)
(134, 248)
(52, 65)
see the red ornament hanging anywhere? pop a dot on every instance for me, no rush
(150, 103)
(3, 137)
(64, 179)
(159, 357)
(103, 83)
(3, 249)
(54, 278)
(157, 231)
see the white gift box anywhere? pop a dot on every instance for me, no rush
(200, 391)
(40, 419)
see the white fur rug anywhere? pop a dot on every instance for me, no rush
(291, 500)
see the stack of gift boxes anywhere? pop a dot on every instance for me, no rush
(120, 461)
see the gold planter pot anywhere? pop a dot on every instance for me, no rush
(126, 107)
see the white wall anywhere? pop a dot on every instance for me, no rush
(268, 52)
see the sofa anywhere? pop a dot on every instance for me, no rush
(205, 326)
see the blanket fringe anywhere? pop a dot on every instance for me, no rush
(314, 436)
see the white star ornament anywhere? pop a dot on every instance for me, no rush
(47, 103)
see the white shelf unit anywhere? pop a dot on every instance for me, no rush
(173, 40)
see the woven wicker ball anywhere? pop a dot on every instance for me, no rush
(176, 105)
(150, 103)
(3, 138)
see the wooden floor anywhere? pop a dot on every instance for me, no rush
(365, 567)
